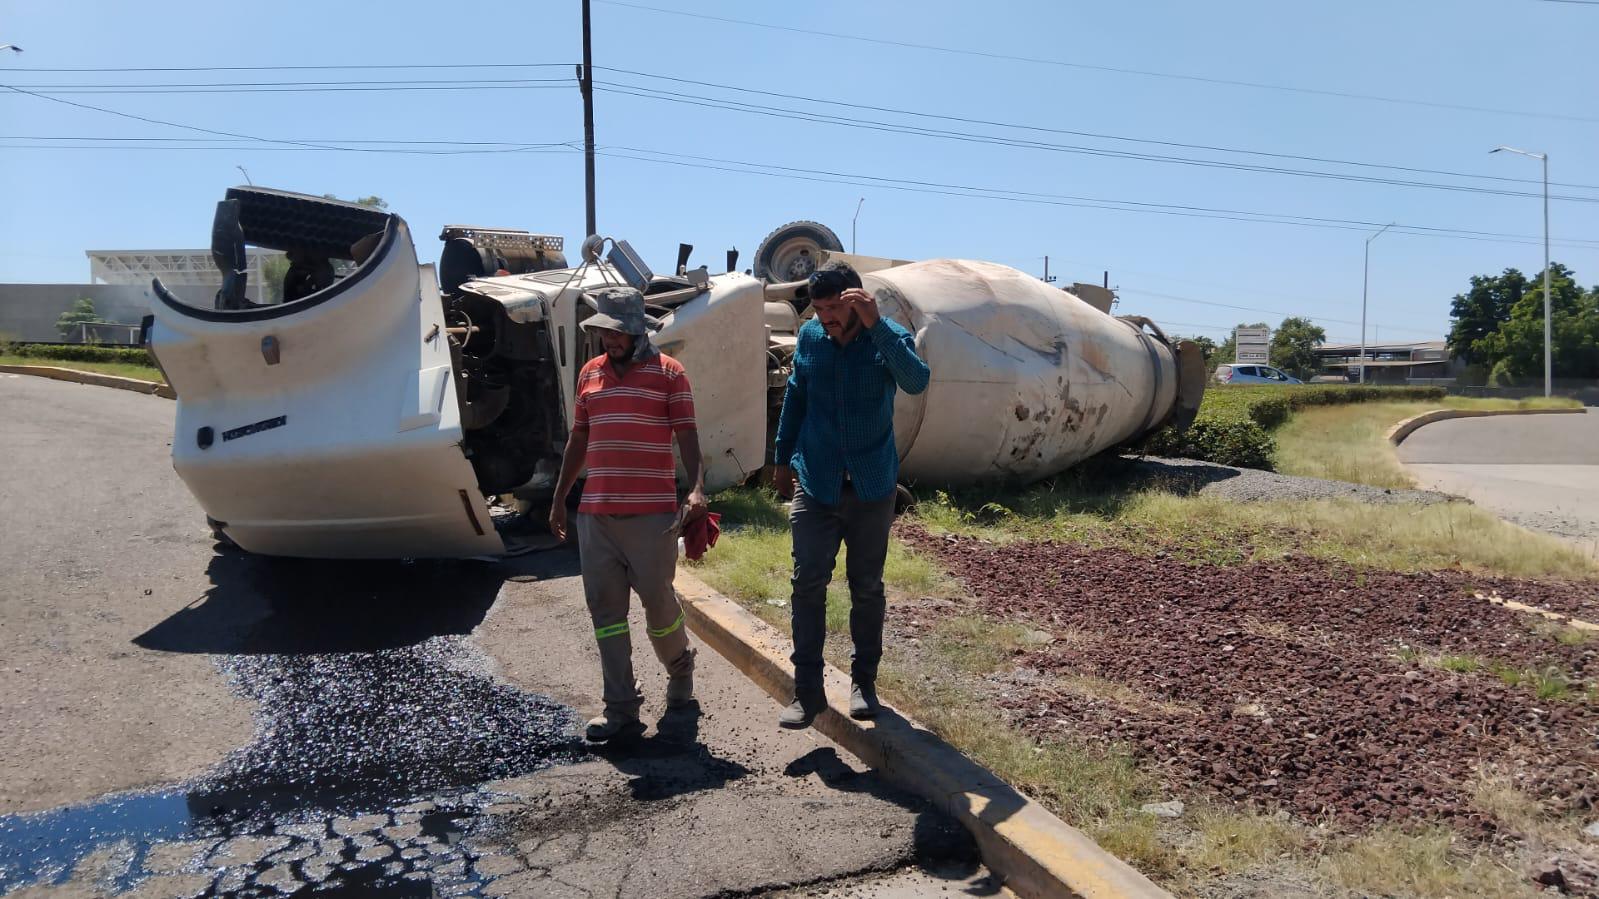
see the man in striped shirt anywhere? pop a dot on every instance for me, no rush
(631, 402)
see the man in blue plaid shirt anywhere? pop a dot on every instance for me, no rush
(836, 438)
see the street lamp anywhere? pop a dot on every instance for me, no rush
(12, 47)
(852, 224)
(1548, 358)
(1365, 282)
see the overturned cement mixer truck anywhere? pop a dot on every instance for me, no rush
(375, 411)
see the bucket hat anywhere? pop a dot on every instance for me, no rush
(617, 309)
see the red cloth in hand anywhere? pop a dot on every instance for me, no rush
(700, 535)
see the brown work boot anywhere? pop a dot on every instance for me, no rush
(680, 690)
(612, 727)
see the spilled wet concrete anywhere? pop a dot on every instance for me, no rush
(394, 756)
(364, 773)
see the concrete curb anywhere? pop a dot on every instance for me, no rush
(1560, 617)
(1398, 433)
(153, 388)
(1036, 853)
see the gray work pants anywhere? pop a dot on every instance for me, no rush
(817, 531)
(632, 552)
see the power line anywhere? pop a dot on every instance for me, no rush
(320, 140)
(969, 137)
(523, 149)
(219, 84)
(843, 177)
(212, 131)
(54, 90)
(525, 83)
(1089, 134)
(1318, 318)
(1098, 68)
(897, 184)
(296, 68)
(934, 187)
(289, 87)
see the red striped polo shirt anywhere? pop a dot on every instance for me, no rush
(630, 421)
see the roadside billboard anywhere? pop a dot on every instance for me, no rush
(1254, 345)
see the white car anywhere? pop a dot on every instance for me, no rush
(371, 413)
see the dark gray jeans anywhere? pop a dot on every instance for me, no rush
(817, 530)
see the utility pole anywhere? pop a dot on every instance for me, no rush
(1365, 282)
(585, 80)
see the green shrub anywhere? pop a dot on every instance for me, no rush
(1224, 440)
(1235, 422)
(80, 352)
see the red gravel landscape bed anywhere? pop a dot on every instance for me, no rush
(1297, 684)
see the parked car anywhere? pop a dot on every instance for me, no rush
(1253, 374)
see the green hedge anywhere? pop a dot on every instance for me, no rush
(79, 352)
(1235, 423)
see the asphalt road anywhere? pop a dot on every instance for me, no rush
(1539, 471)
(182, 720)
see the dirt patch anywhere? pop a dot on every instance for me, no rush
(1298, 684)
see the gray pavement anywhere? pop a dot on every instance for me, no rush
(178, 719)
(1539, 471)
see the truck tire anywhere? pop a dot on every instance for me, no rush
(904, 499)
(790, 253)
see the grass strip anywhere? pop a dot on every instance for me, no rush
(139, 371)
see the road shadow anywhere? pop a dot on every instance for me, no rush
(1183, 477)
(941, 846)
(1102, 486)
(671, 761)
(261, 604)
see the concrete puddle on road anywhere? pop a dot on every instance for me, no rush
(365, 773)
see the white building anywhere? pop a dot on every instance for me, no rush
(175, 268)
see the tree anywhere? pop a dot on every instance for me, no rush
(1207, 347)
(274, 269)
(82, 311)
(1512, 350)
(372, 202)
(1480, 311)
(1293, 346)
(1515, 350)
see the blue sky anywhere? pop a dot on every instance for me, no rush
(1527, 58)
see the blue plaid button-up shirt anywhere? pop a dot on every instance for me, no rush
(838, 413)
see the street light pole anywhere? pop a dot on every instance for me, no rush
(852, 224)
(1365, 283)
(1548, 355)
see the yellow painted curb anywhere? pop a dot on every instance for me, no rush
(153, 388)
(1398, 433)
(1038, 855)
